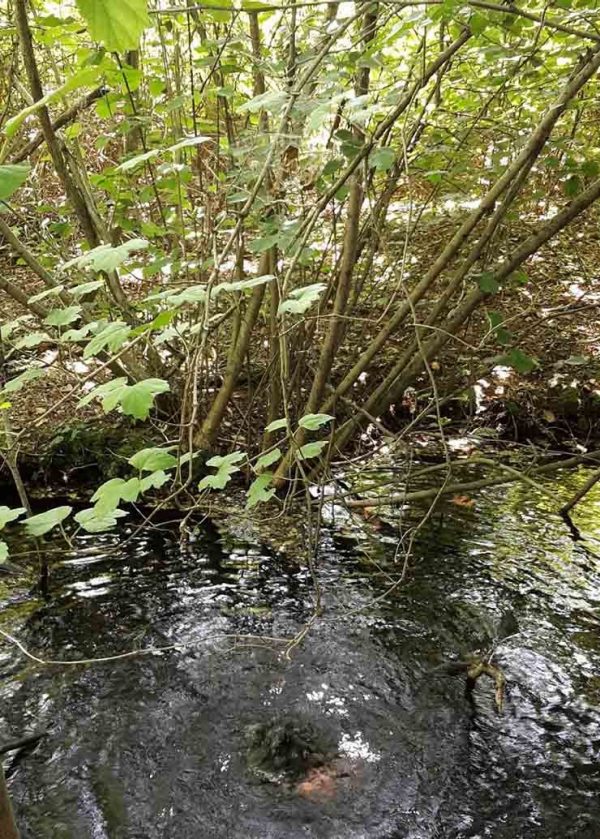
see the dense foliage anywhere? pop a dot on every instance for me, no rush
(225, 208)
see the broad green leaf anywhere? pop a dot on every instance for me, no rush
(302, 299)
(382, 159)
(117, 24)
(218, 481)
(267, 459)
(106, 393)
(45, 522)
(12, 176)
(149, 460)
(107, 257)
(18, 382)
(93, 520)
(86, 288)
(3, 552)
(226, 466)
(243, 285)
(272, 100)
(111, 493)
(111, 336)
(277, 424)
(488, 283)
(78, 334)
(7, 515)
(154, 481)
(82, 78)
(519, 361)
(34, 339)
(314, 421)
(138, 399)
(134, 162)
(260, 490)
(49, 292)
(227, 460)
(311, 450)
(189, 141)
(63, 317)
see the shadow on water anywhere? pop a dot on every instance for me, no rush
(156, 746)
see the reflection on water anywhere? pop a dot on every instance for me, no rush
(154, 746)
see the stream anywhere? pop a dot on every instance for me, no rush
(156, 745)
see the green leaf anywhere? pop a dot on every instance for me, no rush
(501, 334)
(18, 382)
(260, 490)
(382, 159)
(78, 334)
(34, 339)
(138, 399)
(62, 317)
(3, 552)
(226, 465)
(226, 460)
(93, 520)
(45, 522)
(277, 424)
(314, 421)
(154, 481)
(49, 292)
(311, 450)
(572, 186)
(108, 496)
(189, 141)
(488, 283)
(113, 336)
(243, 285)
(478, 23)
(301, 299)
(86, 288)
(519, 361)
(6, 514)
(85, 76)
(218, 481)
(272, 100)
(118, 24)
(109, 393)
(12, 176)
(136, 161)
(267, 459)
(149, 460)
(106, 257)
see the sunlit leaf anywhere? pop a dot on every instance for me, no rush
(12, 176)
(277, 424)
(107, 257)
(138, 399)
(267, 459)
(93, 520)
(7, 515)
(314, 421)
(311, 450)
(118, 24)
(63, 317)
(149, 460)
(45, 522)
(302, 299)
(19, 381)
(260, 490)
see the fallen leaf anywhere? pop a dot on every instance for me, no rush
(463, 501)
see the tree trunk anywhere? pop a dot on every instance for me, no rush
(8, 827)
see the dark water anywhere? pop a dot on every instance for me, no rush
(155, 746)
